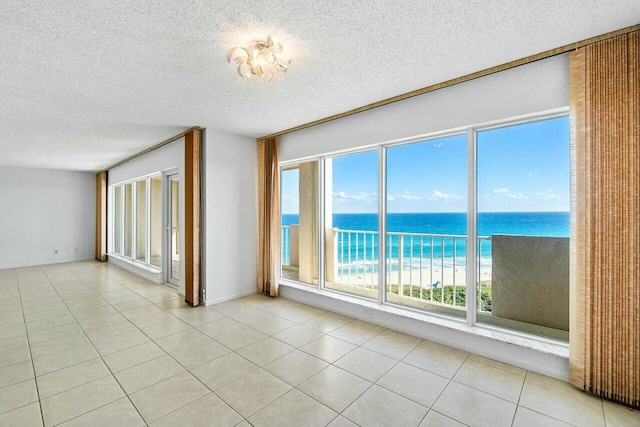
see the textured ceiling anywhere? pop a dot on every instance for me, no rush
(84, 84)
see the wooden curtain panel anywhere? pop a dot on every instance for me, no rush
(268, 215)
(605, 288)
(101, 216)
(192, 174)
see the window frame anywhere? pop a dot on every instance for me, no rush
(146, 264)
(471, 132)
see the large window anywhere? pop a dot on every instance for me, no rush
(300, 222)
(155, 229)
(351, 223)
(128, 220)
(117, 220)
(427, 224)
(523, 226)
(137, 221)
(141, 220)
(475, 224)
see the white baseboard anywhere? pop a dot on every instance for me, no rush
(228, 297)
(47, 262)
(132, 268)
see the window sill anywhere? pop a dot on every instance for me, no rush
(395, 317)
(138, 264)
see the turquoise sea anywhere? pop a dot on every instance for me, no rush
(365, 248)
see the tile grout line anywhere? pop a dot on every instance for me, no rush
(445, 387)
(524, 380)
(99, 354)
(258, 307)
(29, 345)
(184, 367)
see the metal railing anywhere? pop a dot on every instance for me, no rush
(419, 266)
(286, 245)
(357, 263)
(427, 265)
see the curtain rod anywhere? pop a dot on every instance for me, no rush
(482, 73)
(155, 147)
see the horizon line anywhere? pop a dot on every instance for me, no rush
(376, 213)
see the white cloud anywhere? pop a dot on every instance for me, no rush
(518, 196)
(549, 194)
(502, 193)
(440, 196)
(342, 197)
(532, 174)
(403, 196)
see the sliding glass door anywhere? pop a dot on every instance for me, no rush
(138, 234)
(173, 229)
(141, 220)
(156, 229)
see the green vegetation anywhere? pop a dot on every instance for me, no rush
(460, 294)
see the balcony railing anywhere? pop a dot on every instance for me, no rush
(522, 281)
(286, 245)
(419, 267)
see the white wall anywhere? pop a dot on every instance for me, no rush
(42, 211)
(164, 158)
(168, 157)
(231, 212)
(530, 88)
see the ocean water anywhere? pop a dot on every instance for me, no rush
(434, 236)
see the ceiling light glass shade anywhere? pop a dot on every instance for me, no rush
(261, 58)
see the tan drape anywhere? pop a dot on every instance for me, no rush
(101, 216)
(605, 283)
(268, 215)
(192, 177)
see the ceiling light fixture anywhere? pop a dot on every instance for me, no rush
(261, 58)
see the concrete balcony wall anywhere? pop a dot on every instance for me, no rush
(294, 245)
(530, 280)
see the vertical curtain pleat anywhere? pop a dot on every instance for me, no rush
(192, 178)
(101, 216)
(268, 215)
(605, 284)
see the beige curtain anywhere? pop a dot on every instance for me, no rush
(605, 288)
(268, 215)
(192, 228)
(101, 216)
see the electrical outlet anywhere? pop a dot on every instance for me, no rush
(76, 251)
(367, 312)
(55, 251)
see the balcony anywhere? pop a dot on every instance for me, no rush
(523, 281)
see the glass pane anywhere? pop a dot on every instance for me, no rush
(427, 225)
(299, 199)
(155, 251)
(523, 227)
(175, 230)
(117, 220)
(128, 219)
(141, 220)
(351, 223)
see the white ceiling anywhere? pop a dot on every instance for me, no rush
(86, 83)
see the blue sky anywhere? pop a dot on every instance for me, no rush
(523, 168)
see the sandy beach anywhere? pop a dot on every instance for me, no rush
(417, 277)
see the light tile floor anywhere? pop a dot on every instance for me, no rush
(89, 344)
